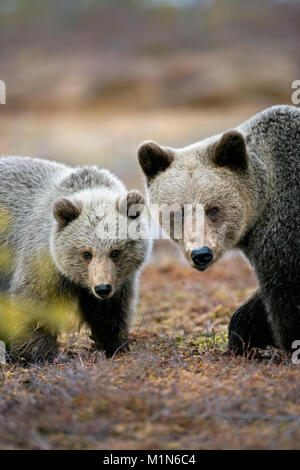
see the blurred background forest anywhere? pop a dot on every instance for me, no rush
(87, 80)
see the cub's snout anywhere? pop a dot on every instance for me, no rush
(103, 290)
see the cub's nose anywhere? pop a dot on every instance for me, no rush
(202, 257)
(103, 290)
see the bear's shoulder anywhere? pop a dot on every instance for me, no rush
(281, 117)
(275, 131)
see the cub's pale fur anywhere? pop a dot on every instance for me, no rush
(54, 215)
(248, 181)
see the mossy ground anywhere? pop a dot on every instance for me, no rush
(174, 389)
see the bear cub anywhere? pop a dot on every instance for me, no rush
(248, 182)
(62, 232)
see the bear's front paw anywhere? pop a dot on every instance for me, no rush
(113, 350)
(249, 327)
(40, 347)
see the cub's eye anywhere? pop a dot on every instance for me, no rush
(115, 254)
(212, 211)
(87, 255)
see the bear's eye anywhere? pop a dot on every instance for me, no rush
(87, 255)
(115, 254)
(212, 211)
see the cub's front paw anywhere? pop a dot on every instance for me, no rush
(111, 348)
(118, 348)
(40, 348)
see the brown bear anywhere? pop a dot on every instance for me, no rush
(60, 234)
(248, 182)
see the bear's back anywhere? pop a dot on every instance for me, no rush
(22, 178)
(274, 134)
(24, 184)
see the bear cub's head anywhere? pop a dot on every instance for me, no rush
(96, 240)
(212, 176)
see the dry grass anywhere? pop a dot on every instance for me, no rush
(174, 390)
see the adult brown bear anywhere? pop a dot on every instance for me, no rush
(248, 182)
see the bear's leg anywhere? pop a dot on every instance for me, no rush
(285, 316)
(40, 346)
(249, 327)
(39, 343)
(108, 320)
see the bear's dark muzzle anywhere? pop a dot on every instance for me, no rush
(202, 257)
(103, 290)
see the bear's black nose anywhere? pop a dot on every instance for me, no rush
(202, 257)
(103, 290)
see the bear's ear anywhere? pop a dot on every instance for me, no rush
(132, 204)
(231, 151)
(154, 159)
(65, 211)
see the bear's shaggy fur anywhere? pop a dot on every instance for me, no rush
(248, 182)
(55, 217)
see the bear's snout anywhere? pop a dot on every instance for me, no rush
(103, 290)
(202, 257)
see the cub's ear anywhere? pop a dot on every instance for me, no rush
(231, 151)
(65, 211)
(132, 204)
(153, 159)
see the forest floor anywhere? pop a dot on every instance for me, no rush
(174, 390)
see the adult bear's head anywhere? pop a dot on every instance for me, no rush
(207, 187)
